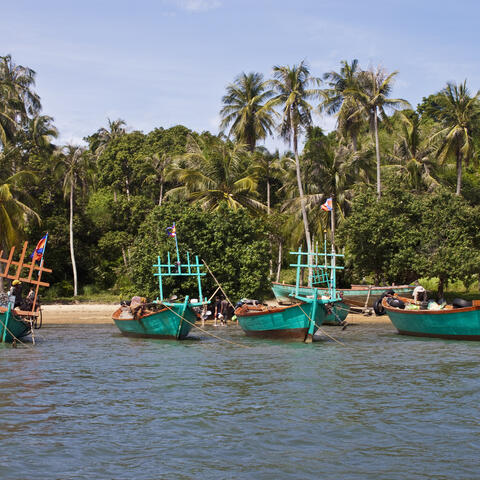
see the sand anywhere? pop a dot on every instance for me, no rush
(95, 313)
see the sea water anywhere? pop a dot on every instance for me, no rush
(87, 403)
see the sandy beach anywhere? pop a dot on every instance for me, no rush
(94, 313)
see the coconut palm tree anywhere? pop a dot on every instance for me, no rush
(115, 129)
(17, 99)
(459, 114)
(156, 169)
(371, 91)
(14, 214)
(247, 109)
(338, 101)
(73, 165)
(213, 172)
(292, 88)
(413, 152)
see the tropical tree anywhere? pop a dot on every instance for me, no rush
(105, 136)
(156, 169)
(73, 164)
(371, 91)
(213, 172)
(459, 114)
(247, 109)
(17, 99)
(413, 152)
(14, 214)
(339, 100)
(292, 88)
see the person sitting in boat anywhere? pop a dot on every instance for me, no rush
(16, 291)
(419, 294)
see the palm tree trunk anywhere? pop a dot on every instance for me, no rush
(160, 198)
(302, 199)
(268, 196)
(72, 253)
(377, 151)
(459, 171)
(354, 142)
(127, 187)
(280, 254)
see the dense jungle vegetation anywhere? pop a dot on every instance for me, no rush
(404, 183)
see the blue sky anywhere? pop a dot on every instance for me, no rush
(167, 62)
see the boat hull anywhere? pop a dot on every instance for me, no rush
(282, 322)
(337, 314)
(458, 324)
(358, 296)
(172, 322)
(16, 328)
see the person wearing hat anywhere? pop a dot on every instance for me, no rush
(16, 290)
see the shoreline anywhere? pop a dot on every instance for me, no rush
(101, 313)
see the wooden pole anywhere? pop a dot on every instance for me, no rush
(217, 282)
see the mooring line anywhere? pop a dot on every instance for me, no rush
(13, 336)
(318, 327)
(205, 331)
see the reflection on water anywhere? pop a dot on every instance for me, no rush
(87, 403)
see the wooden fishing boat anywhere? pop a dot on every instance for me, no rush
(360, 296)
(157, 320)
(302, 319)
(461, 323)
(163, 318)
(294, 322)
(17, 322)
(336, 313)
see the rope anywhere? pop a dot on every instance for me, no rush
(218, 283)
(13, 336)
(205, 331)
(318, 327)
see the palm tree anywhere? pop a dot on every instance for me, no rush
(17, 100)
(338, 101)
(247, 109)
(459, 114)
(412, 153)
(14, 214)
(212, 173)
(115, 129)
(73, 164)
(371, 91)
(156, 169)
(291, 85)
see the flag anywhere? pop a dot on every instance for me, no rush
(327, 206)
(37, 254)
(171, 231)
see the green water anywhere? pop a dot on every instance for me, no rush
(87, 403)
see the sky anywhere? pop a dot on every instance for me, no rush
(160, 63)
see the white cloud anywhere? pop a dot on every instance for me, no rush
(198, 5)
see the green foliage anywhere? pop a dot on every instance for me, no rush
(404, 236)
(234, 245)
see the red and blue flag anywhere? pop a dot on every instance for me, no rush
(328, 205)
(37, 254)
(172, 231)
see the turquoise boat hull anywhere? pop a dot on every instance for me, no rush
(335, 315)
(458, 323)
(174, 321)
(290, 322)
(16, 328)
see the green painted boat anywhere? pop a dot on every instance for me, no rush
(294, 322)
(361, 296)
(301, 320)
(158, 320)
(448, 322)
(336, 313)
(13, 326)
(163, 318)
